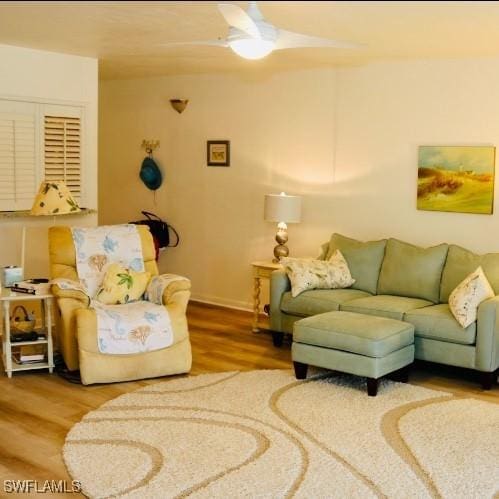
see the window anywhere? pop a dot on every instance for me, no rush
(62, 153)
(38, 141)
(18, 155)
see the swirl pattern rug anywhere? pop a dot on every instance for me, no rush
(264, 434)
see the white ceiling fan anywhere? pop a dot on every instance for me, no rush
(252, 37)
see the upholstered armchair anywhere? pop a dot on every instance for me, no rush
(77, 322)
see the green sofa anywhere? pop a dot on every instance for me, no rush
(401, 281)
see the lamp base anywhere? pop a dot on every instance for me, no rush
(281, 250)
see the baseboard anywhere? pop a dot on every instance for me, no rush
(222, 302)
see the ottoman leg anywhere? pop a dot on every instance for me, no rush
(402, 375)
(372, 387)
(300, 370)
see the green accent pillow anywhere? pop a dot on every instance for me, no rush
(364, 260)
(412, 271)
(462, 262)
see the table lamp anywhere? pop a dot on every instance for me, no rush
(282, 209)
(53, 198)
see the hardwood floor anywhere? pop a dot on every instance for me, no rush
(38, 409)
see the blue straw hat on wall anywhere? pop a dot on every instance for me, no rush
(150, 174)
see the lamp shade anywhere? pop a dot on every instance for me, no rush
(54, 198)
(282, 208)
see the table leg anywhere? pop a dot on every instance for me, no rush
(256, 303)
(7, 346)
(48, 324)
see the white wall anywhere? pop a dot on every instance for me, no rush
(346, 140)
(39, 75)
(275, 141)
(385, 112)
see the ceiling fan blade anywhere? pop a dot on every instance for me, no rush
(292, 40)
(213, 43)
(237, 18)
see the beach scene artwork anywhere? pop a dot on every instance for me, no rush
(456, 178)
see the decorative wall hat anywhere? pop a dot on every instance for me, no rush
(150, 174)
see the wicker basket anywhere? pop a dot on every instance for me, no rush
(21, 321)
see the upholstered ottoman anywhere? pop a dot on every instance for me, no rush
(353, 343)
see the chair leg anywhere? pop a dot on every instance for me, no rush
(277, 338)
(300, 370)
(372, 387)
(487, 380)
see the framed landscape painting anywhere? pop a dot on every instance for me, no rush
(456, 178)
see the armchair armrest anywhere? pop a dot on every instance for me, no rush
(487, 337)
(68, 288)
(172, 291)
(69, 301)
(279, 284)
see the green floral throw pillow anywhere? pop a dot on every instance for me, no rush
(121, 285)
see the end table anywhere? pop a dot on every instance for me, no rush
(6, 298)
(261, 270)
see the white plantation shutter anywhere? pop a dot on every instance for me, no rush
(18, 155)
(62, 151)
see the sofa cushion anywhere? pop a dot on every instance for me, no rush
(323, 251)
(318, 301)
(364, 260)
(438, 323)
(460, 263)
(393, 307)
(412, 271)
(370, 336)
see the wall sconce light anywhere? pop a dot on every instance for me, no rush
(179, 104)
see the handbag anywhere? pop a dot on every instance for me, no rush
(160, 230)
(21, 321)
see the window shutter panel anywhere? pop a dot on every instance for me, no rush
(62, 151)
(18, 175)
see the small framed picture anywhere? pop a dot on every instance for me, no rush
(218, 153)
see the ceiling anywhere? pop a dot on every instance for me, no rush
(129, 37)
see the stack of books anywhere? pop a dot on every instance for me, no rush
(32, 287)
(28, 355)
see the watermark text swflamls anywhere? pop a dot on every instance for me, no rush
(41, 487)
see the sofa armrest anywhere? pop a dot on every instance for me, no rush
(279, 284)
(487, 337)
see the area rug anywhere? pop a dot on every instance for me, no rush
(263, 434)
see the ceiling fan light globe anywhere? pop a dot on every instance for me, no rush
(252, 48)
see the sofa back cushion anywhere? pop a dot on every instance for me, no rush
(363, 259)
(323, 251)
(412, 271)
(462, 262)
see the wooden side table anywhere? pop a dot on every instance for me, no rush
(6, 298)
(261, 270)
